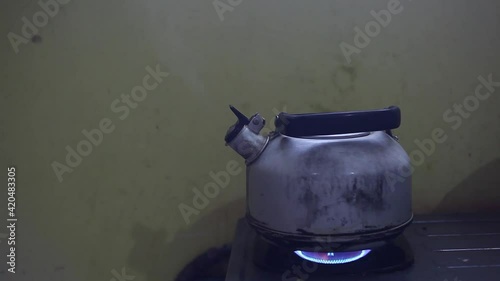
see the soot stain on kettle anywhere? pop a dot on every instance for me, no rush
(314, 157)
(310, 201)
(366, 197)
(343, 221)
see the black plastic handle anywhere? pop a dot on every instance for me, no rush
(313, 124)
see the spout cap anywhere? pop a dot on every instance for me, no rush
(235, 129)
(241, 117)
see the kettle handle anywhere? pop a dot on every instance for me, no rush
(331, 123)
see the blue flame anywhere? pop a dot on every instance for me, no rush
(332, 257)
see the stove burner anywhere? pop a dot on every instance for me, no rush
(332, 257)
(393, 255)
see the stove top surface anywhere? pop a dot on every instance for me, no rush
(445, 248)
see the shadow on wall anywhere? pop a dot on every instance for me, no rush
(157, 258)
(480, 192)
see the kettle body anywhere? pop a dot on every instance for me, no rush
(315, 181)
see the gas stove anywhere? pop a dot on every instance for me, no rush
(432, 248)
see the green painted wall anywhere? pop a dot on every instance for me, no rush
(119, 207)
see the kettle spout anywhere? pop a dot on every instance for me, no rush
(244, 138)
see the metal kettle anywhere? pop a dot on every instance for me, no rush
(325, 177)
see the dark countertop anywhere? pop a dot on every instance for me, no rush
(446, 248)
